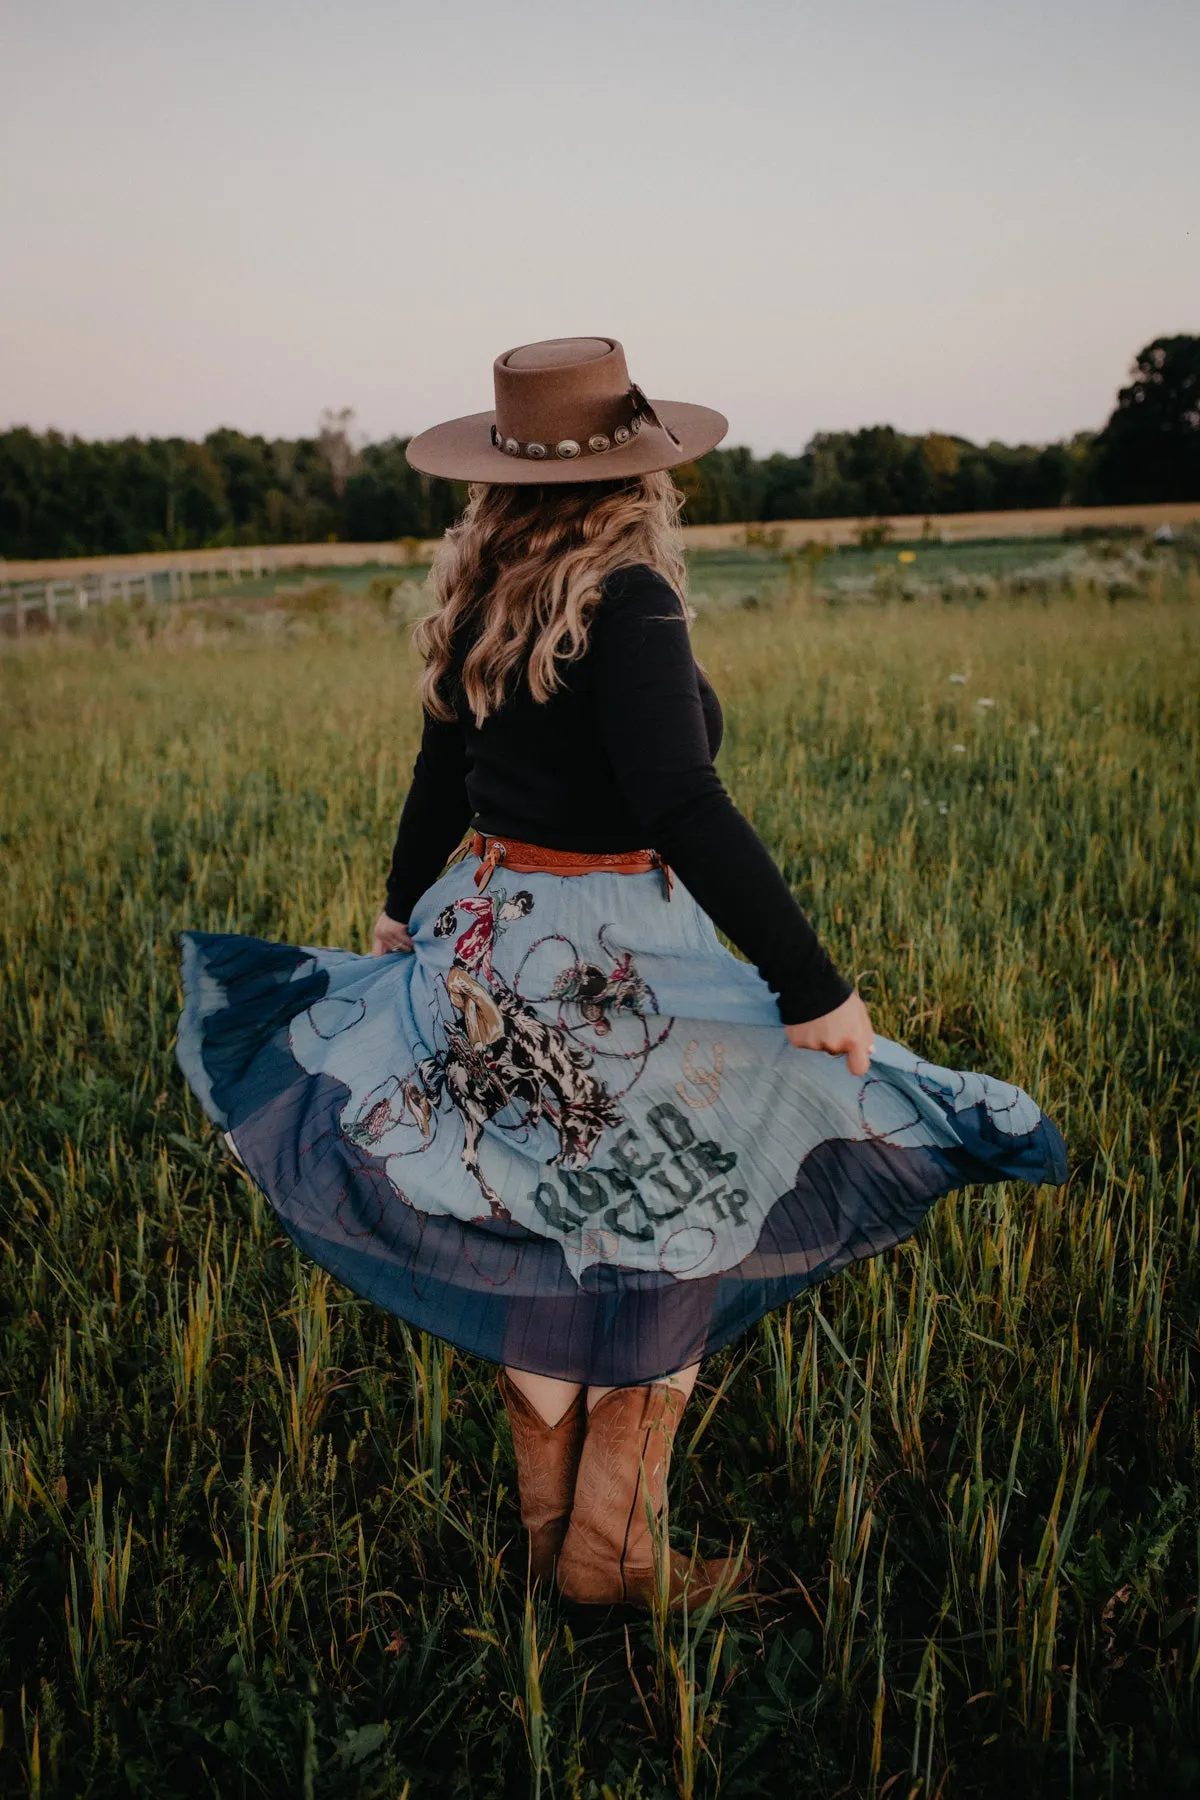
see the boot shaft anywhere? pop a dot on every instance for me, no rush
(620, 1489)
(547, 1458)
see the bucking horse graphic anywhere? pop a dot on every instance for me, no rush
(498, 1054)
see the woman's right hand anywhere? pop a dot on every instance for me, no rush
(389, 935)
(846, 1031)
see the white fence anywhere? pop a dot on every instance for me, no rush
(182, 581)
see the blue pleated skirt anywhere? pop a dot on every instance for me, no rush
(568, 1133)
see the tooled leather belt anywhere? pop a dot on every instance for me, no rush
(539, 859)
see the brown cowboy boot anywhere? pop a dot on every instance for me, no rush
(608, 1554)
(547, 1458)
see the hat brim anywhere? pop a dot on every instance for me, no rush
(462, 450)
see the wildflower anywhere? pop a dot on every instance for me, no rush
(959, 749)
(906, 774)
(943, 808)
(984, 702)
(906, 556)
(959, 680)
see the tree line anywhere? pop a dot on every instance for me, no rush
(63, 496)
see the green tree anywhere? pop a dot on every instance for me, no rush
(1150, 448)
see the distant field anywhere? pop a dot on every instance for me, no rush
(718, 575)
(257, 1540)
(1053, 522)
(724, 577)
(954, 527)
(757, 574)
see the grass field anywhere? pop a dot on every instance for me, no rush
(258, 1540)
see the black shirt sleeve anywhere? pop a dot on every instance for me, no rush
(436, 812)
(651, 722)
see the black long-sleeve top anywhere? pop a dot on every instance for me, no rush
(620, 757)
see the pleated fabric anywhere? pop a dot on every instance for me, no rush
(568, 1133)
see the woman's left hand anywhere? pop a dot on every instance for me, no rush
(390, 935)
(846, 1031)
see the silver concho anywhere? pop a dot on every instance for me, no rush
(537, 451)
(635, 424)
(511, 447)
(566, 449)
(598, 443)
(621, 435)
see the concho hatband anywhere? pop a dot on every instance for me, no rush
(596, 443)
(568, 448)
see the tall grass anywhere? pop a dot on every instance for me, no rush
(259, 1539)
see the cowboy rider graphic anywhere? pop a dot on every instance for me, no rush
(491, 913)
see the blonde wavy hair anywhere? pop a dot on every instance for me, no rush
(523, 569)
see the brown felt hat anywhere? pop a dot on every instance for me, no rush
(566, 410)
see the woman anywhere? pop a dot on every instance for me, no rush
(556, 1123)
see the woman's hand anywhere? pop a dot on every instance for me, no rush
(389, 935)
(846, 1031)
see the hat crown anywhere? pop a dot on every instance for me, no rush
(562, 389)
(556, 353)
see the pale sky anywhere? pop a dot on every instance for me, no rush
(940, 214)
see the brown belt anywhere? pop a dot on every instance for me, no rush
(538, 859)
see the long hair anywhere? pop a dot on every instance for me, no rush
(523, 569)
